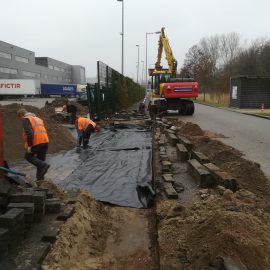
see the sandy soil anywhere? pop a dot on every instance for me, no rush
(100, 237)
(60, 138)
(229, 226)
(81, 239)
(248, 174)
(201, 234)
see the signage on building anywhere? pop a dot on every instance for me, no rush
(19, 87)
(68, 88)
(58, 89)
(234, 92)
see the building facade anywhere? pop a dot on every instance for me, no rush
(250, 92)
(19, 63)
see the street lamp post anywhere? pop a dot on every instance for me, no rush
(146, 68)
(122, 68)
(138, 63)
(142, 72)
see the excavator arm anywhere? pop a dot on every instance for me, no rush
(172, 63)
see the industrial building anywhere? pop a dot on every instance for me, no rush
(19, 63)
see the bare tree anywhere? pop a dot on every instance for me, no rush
(192, 62)
(210, 47)
(229, 47)
(215, 59)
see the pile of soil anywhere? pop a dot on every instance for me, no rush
(60, 102)
(100, 236)
(217, 151)
(203, 234)
(81, 239)
(191, 129)
(60, 138)
(49, 109)
(209, 232)
(248, 174)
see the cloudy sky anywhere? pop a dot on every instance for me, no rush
(84, 31)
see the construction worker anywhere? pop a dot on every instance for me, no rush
(72, 110)
(35, 140)
(84, 128)
(142, 108)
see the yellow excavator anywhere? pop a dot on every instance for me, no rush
(169, 91)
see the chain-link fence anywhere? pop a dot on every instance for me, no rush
(113, 92)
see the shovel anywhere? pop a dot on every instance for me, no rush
(14, 176)
(8, 170)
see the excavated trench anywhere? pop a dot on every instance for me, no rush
(117, 223)
(120, 225)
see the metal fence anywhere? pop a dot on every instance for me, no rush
(113, 92)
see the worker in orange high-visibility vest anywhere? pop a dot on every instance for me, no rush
(84, 128)
(35, 141)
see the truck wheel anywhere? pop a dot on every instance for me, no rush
(186, 108)
(182, 108)
(191, 108)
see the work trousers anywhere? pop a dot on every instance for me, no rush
(73, 118)
(37, 157)
(86, 136)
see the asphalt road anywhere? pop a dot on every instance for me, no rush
(249, 134)
(37, 102)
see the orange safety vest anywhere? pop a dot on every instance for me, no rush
(83, 123)
(39, 132)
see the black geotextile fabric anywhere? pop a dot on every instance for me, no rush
(116, 168)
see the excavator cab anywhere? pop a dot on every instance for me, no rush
(158, 79)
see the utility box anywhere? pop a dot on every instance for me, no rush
(250, 92)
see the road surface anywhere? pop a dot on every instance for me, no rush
(37, 102)
(249, 134)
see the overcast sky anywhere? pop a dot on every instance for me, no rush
(84, 31)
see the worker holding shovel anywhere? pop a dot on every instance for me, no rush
(35, 140)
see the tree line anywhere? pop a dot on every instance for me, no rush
(217, 58)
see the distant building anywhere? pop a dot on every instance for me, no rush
(19, 63)
(91, 80)
(250, 92)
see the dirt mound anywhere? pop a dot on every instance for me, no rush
(217, 151)
(49, 109)
(209, 232)
(214, 229)
(60, 138)
(247, 173)
(60, 102)
(81, 239)
(190, 129)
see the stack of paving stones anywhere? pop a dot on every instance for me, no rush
(20, 207)
(166, 165)
(206, 174)
(5, 189)
(11, 230)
